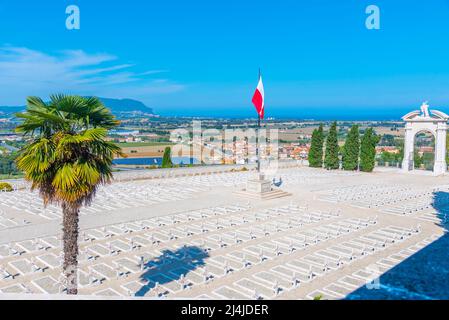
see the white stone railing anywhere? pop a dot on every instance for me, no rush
(161, 173)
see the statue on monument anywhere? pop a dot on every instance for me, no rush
(425, 110)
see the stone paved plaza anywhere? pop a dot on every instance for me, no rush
(187, 235)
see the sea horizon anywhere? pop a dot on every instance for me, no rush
(293, 113)
(300, 113)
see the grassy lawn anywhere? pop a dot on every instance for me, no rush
(143, 144)
(8, 176)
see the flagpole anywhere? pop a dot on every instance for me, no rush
(257, 139)
(257, 145)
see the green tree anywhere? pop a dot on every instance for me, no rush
(331, 160)
(66, 158)
(386, 156)
(316, 148)
(418, 160)
(166, 159)
(400, 155)
(368, 150)
(351, 150)
(428, 160)
(387, 140)
(8, 165)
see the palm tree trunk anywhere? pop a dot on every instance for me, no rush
(70, 238)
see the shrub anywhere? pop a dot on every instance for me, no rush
(5, 186)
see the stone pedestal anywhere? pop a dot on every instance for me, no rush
(258, 185)
(260, 188)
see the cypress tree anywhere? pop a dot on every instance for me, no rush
(316, 148)
(166, 159)
(331, 160)
(368, 150)
(352, 149)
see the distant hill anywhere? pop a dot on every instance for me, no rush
(117, 106)
(9, 110)
(126, 105)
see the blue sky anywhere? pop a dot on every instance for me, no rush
(188, 57)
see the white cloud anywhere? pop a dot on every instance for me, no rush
(25, 72)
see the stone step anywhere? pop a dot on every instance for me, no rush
(273, 194)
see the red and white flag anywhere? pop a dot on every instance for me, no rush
(258, 99)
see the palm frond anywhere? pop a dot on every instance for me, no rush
(68, 155)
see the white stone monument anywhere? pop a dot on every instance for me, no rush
(261, 188)
(426, 120)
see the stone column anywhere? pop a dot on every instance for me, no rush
(408, 147)
(440, 165)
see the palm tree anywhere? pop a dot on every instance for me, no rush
(67, 159)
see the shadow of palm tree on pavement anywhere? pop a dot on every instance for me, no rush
(170, 269)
